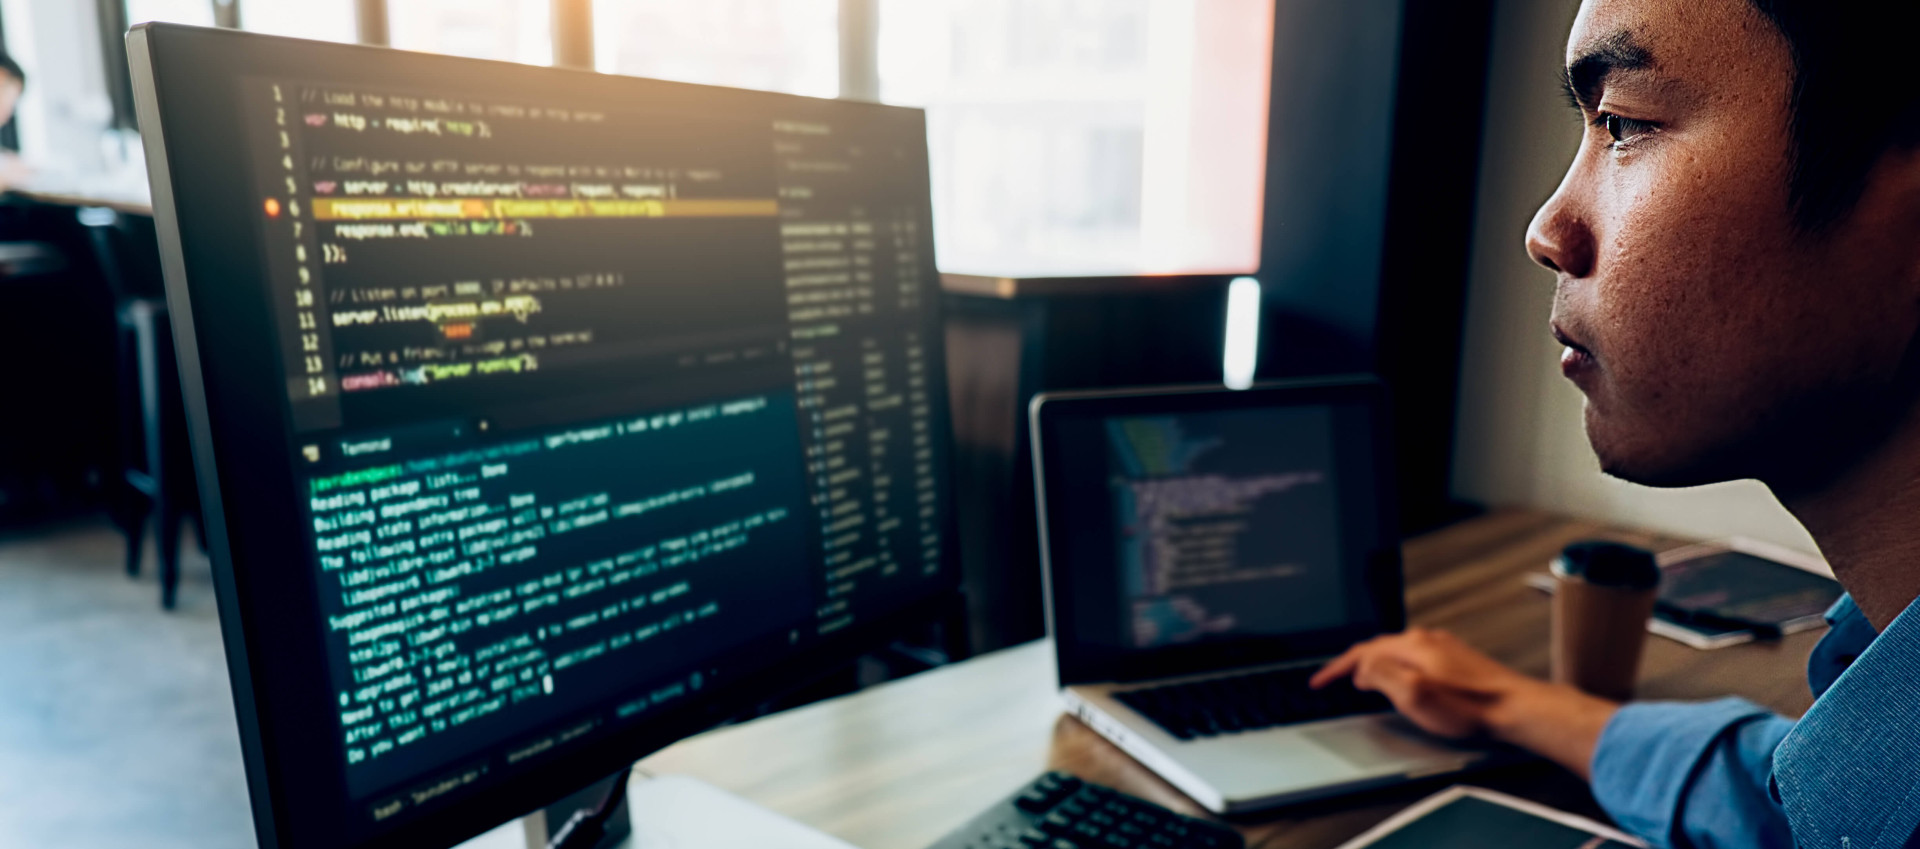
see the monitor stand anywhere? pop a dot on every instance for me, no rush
(580, 812)
(678, 812)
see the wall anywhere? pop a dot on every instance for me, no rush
(1520, 439)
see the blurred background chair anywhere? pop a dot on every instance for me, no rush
(55, 444)
(155, 479)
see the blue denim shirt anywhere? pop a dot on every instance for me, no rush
(1728, 773)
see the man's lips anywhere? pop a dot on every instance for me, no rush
(1561, 337)
(1575, 359)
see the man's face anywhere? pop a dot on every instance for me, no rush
(1712, 338)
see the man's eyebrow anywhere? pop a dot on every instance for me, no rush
(1586, 75)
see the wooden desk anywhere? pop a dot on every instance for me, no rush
(126, 201)
(897, 766)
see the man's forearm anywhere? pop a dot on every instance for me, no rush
(1554, 721)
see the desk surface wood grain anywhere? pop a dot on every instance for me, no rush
(897, 766)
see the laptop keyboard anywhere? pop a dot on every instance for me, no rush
(1215, 706)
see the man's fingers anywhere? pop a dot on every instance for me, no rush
(1416, 648)
(1401, 684)
(1445, 660)
(1338, 668)
(1434, 655)
(1384, 675)
(1431, 705)
(1391, 645)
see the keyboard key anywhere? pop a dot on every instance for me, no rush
(1057, 783)
(1034, 800)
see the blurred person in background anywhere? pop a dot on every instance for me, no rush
(13, 82)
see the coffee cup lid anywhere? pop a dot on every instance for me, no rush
(1609, 564)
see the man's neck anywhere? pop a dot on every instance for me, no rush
(1867, 522)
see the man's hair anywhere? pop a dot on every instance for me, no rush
(1855, 96)
(12, 69)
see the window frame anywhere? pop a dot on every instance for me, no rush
(859, 45)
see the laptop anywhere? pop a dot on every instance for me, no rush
(1207, 550)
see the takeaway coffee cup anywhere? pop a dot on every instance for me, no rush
(1603, 594)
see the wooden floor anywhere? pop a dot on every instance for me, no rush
(116, 721)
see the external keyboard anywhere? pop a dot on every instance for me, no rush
(1058, 811)
(1257, 700)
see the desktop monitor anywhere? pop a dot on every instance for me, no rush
(541, 417)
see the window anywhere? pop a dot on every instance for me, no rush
(327, 20)
(1087, 136)
(1067, 136)
(775, 45)
(196, 12)
(64, 113)
(514, 30)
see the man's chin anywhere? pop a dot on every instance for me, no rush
(1659, 475)
(1648, 462)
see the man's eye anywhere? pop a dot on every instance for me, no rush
(1622, 129)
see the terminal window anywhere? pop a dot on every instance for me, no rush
(589, 401)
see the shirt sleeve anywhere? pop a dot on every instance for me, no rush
(1693, 775)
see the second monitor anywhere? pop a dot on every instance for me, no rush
(542, 417)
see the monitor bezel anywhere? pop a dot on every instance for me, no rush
(222, 376)
(1374, 548)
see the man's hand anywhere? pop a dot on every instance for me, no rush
(1446, 687)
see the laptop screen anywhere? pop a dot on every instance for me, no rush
(1199, 529)
(1222, 523)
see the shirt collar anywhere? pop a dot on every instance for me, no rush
(1849, 633)
(1850, 769)
(1843, 608)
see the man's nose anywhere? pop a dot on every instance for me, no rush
(1559, 240)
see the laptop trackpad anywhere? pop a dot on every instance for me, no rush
(1374, 745)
